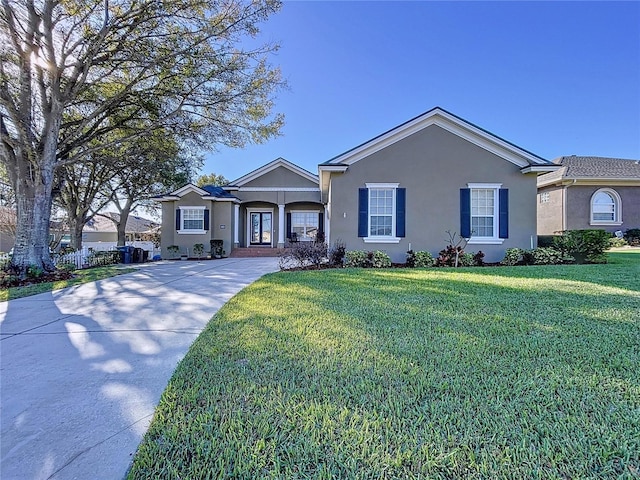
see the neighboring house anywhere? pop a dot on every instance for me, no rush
(261, 209)
(401, 190)
(589, 192)
(102, 229)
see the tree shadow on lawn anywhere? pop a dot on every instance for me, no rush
(407, 372)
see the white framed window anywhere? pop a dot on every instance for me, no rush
(304, 225)
(192, 220)
(606, 207)
(381, 213)
(485, 213)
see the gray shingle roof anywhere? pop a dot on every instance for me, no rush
(135, 224)
(577, 167)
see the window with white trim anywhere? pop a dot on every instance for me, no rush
(606, 207)
(485, 213)
(381, 212)
(192, 219)
(544, 197)
(304, 225)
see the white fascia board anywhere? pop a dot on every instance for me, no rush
(540, 168)
(438, 117)
(167, 198)
(279, 189)
(189, 187)
(279, 162)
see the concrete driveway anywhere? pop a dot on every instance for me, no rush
(83, 368)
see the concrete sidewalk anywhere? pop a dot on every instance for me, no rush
(82, 369)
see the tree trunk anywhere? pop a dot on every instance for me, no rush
(33, 210)
(76, 225)
(121, 226)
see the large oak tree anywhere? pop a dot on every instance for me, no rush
(72, 71)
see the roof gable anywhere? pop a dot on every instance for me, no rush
(452, 123)
(269, 167)
(207, 192)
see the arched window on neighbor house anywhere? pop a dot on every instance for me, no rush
(606, 207)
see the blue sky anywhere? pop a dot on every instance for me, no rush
(556, 78)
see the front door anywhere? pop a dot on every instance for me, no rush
(260, 232)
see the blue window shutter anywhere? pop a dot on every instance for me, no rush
(178, 219)
(401, 201)
(465, 212)
(289, 225)
(363, 212)
(503, 212)
(206, 219)
(321, 222)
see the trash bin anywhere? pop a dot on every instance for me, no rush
(137, 255)
(126, 253)
(145, 256)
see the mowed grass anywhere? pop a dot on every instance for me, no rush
(80, 277)
(523, 372)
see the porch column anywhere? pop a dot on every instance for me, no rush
(281, 227)
(236, 224)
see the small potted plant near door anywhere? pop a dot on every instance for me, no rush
(198, 250)
(173, 251)
(217, 248)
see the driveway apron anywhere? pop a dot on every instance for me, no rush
(82, 369)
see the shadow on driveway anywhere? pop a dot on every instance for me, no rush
(82, 369)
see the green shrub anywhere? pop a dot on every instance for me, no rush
(356, 258)
(66, 266)
(615, 242)
(379, 259)
(547, 256)
(632, 236)
(447, 256)
(7, 279)
(198, 250)
(34, 271)
(419, 259)
(173, 250)
(586, 245)
(465, 260)
(512, 256)
(547, 240)
(362, 259)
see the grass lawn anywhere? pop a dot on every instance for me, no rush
(81, 276)
(520, 372)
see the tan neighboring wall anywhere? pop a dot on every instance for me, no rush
(433, 165)
(550, 203)
(579, 207)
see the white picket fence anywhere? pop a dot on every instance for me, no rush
(81, 258)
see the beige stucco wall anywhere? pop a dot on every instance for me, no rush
(433, 165)
(579, 207)
(550, 213)
(280, 177)
(220, 213)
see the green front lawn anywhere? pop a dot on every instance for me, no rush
(521, 372)
(80, 277)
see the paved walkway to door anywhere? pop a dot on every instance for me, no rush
(82, 369)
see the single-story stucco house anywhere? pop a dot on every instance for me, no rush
(401, 190)
(589, 192)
